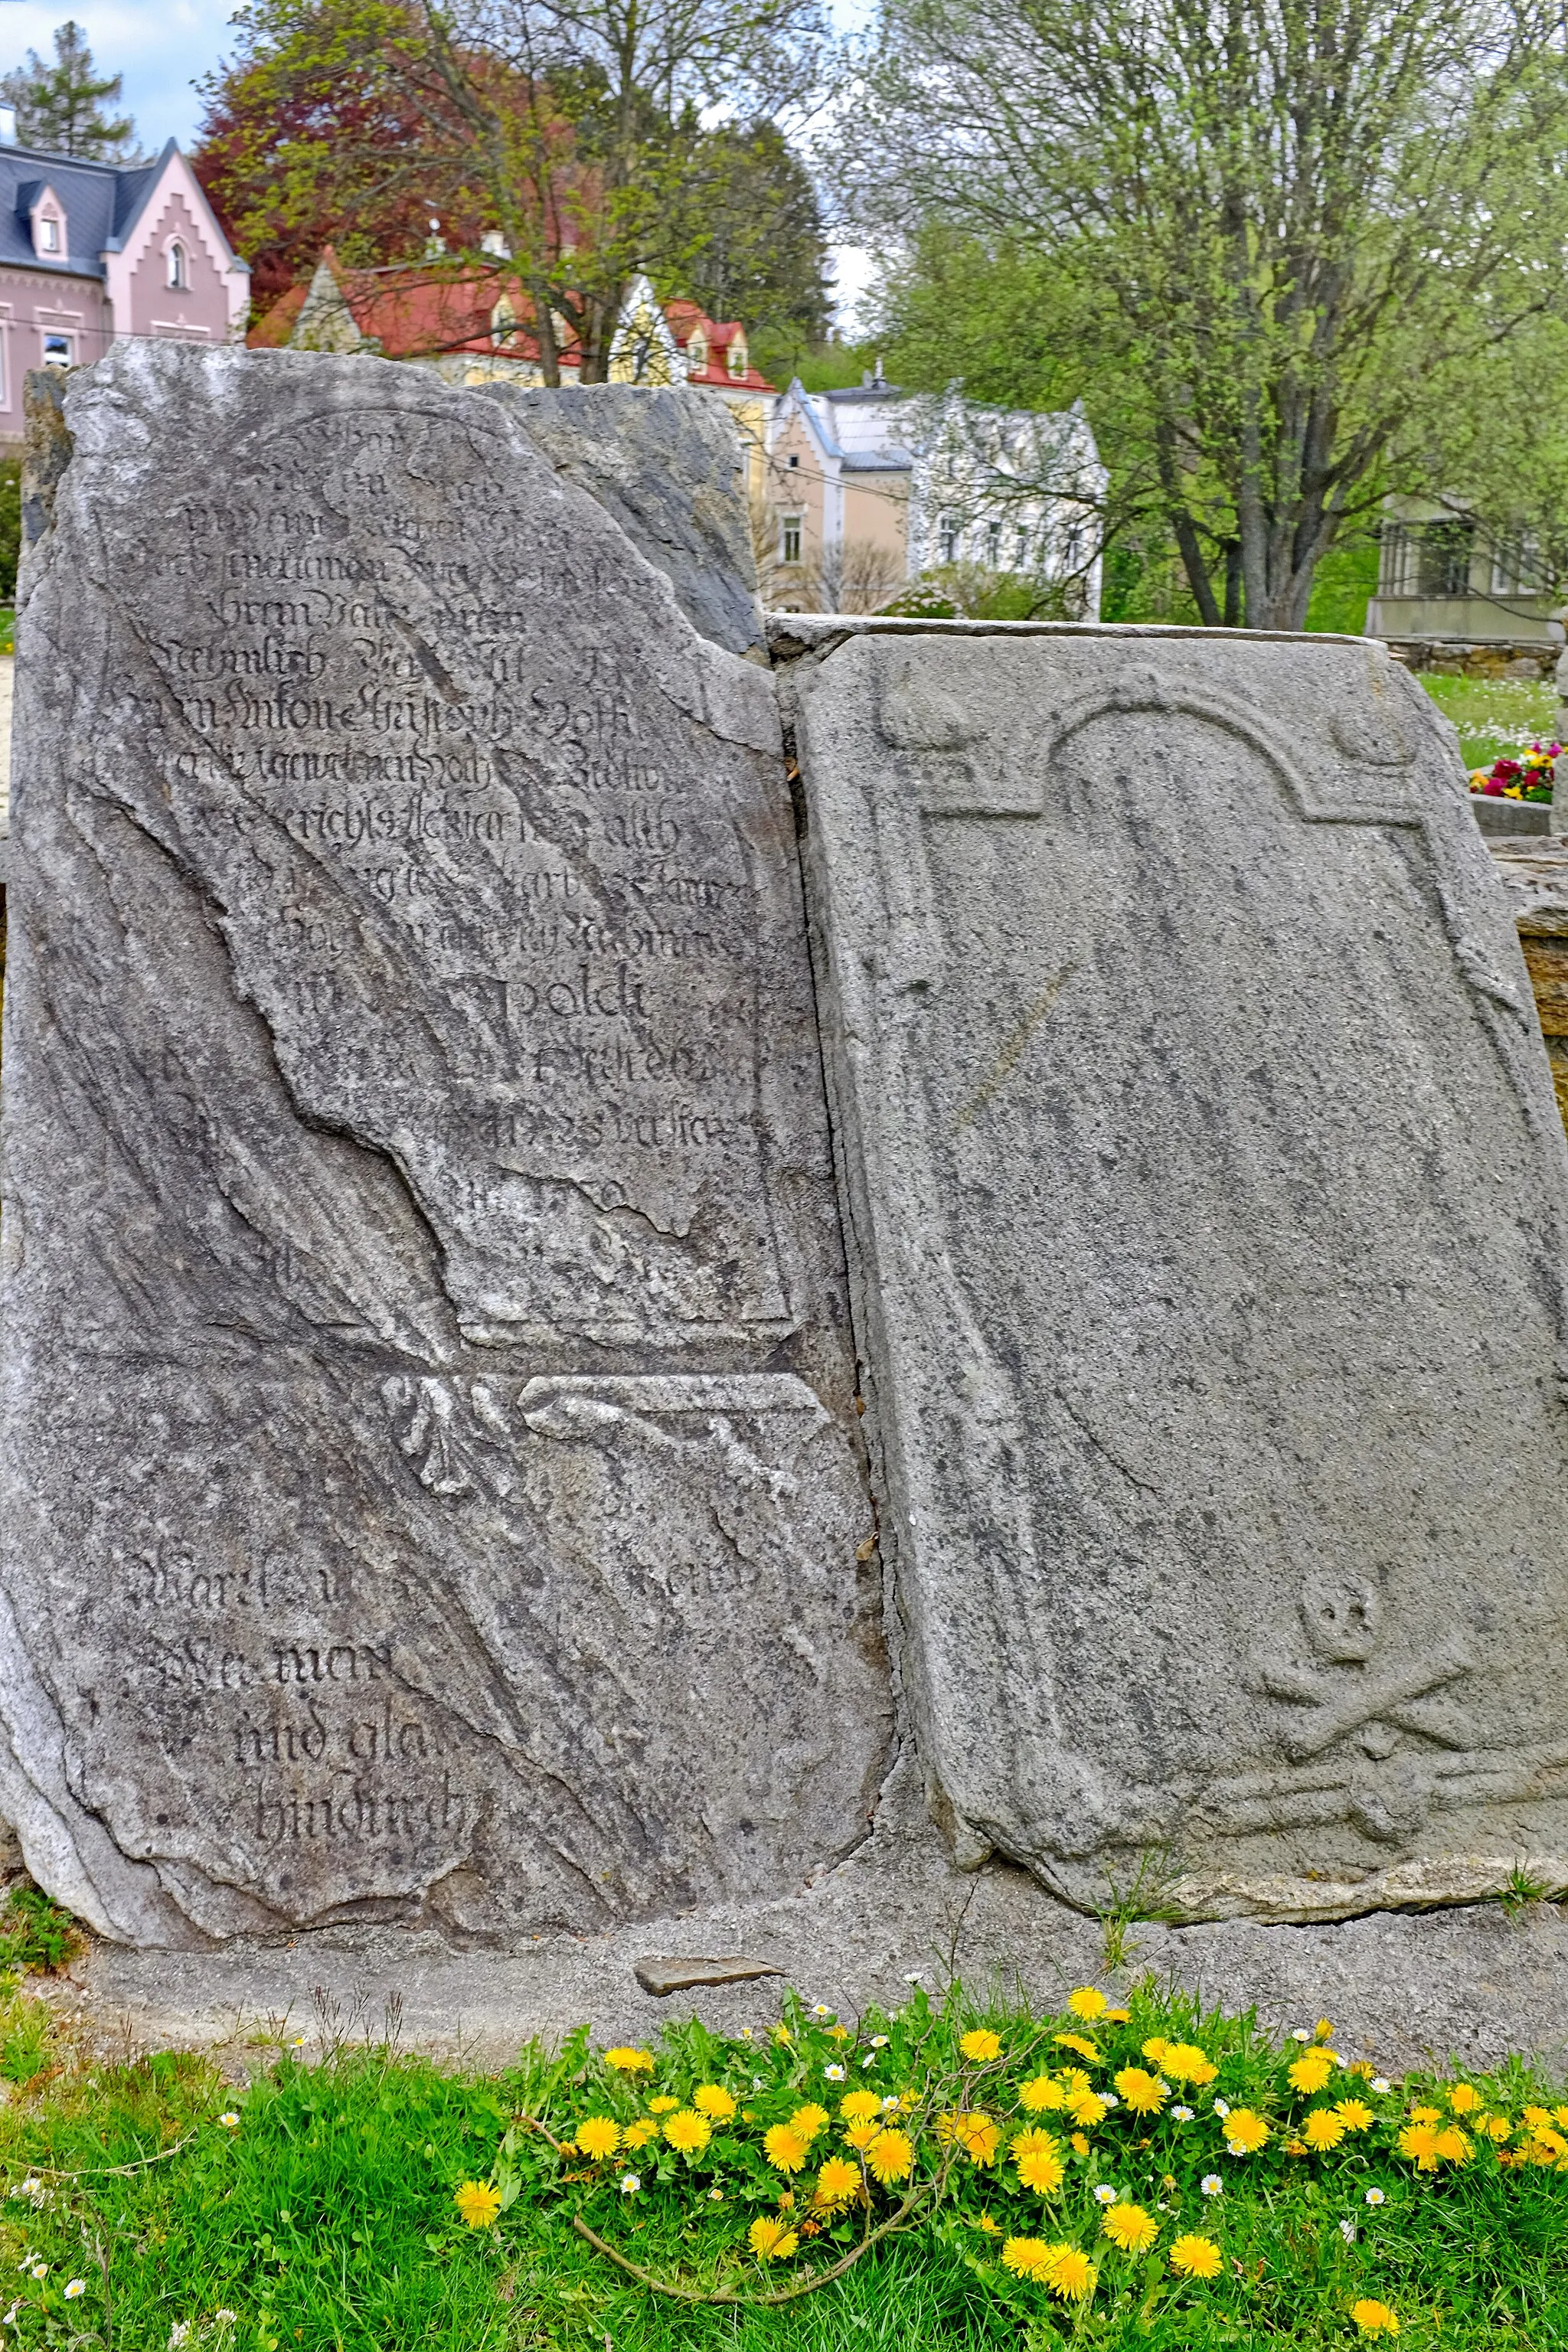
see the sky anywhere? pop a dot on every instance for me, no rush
(162, 46)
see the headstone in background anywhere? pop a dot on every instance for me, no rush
(1209, 1205)
(431, 1484)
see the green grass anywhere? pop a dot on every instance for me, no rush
(1494, 716)
(322, 2217)
(7, 629)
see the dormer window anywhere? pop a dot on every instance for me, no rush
(48, 234)
(179, 268)
(737, 359)
(697, 354)
(45, 219)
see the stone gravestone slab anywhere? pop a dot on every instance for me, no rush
(1209, 1205)
(431, 1481)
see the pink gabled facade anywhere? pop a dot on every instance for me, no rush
(93, 252)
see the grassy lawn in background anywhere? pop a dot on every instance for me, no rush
(1494, 717)
(7, 629)
(1152, 2175)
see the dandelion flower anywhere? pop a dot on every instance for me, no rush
(1076, 2042)
(837, 2182)
(1464, 2098)
(1454, 2145)
(1309, 2073)
(229, 2120)
(859, 2106)
(1104, 2194)
(598, 2137)
(808, 2121)
(1154, 2049)
(1040, 2170)
(786, 2150)
(1130, 2228)
(1323, 2129)
(1323, 2030)
(1245, 2133)
(1419, 2143)
(1355, 2115)
(75, 2287)
(988, 2225)
(834, 2073)
(1146, 2094)
(891, 2156)
(1116, 2017)
(1026, 2257)
(712, 2100)
(770, 2240)
(1186, 2062)
(639, 2134)
(1212, 2185)
(1497, 2128)
(1085, 2002)
(860, 2135)
(981, 2045)
(1039, 2092)
(1375, 2197)
(631, 2184)
(1086, 2109)
(1070, 2273)
(1080, 2144)
(1434, 2115)
(688, 2132)
(665, 2106)
(1373, 2319)
(1195, 2257)
(478, 2202)
(979, 2136)
(630, 2061)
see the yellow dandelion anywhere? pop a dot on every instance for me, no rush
(859, 2106)
(1454, 2145)
(598, 2137)
(1195, 2257)
(981, 2045)
(991, 2227)
(1309, 2072)
(1323, 2129)
(662, 2106)
(1024, 2257)
(1070, 2273)
(890, 2157)
(1085, 2002)
(1419, 2143)
(477, 2203)
(1495, 2126)
(1464, 2098)
(1322, 2031)
(1080, 2144)
(807, 2122)
(770, 2240)
(1130, 2228)
(1040, 2170)
(1076, 2042)
(1355, 2115)
(1434, 2115)
(712, 2100)
(784, 2149)
(979, 2136)
(837, 2182)
(1116, 2017)
(1040, 2094)
(1154, 2049)
(1373, 2319)
(1146, 2094)
(639, 2134)
(630, 2061)
(1086, 2109)
(783, 2036)
(1186, 2062)
(688, 2132)
(1245, 2133)
(1560, 2115)
(860, 2135)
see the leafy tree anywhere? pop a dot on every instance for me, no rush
(571, 131)
(753, 241)
(1280, 244)
(60, 107)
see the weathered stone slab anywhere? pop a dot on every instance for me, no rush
(431, 1484)
(1209, 1204)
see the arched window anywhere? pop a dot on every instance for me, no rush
(179, 270)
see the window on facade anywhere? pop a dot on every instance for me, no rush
(794, 458)
(1072, 548)
(697, 354)
(792, 524)
(947, 539)
(993, 545)
(1020, 548)
(1443, 562)
(737, 359)
(178, 270)
(49, 234)
(57, 350)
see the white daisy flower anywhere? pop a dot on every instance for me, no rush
(879, 2041)
(820, 2009)
(1104, 2194)
(1221, 2107)
(1182, 2115)
(834, 2073)
(1382, 2086)
(75, 2287)
(1213, 2186)
(914, 1976)
(631, 2184)
(715, 2197)
(869, 2059)
(229, 2120)
(1375, 2197)
(891, 2100)
(1300, 2033)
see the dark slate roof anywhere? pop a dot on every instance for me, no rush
(868, 392)
(101, 204)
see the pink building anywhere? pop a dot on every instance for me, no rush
(89, 252)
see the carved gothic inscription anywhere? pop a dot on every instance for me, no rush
(431, 1484)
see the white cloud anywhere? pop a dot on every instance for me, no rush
(159, 45)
